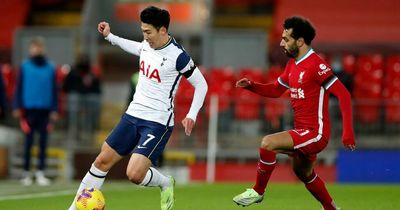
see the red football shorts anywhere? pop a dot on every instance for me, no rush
(308, 142)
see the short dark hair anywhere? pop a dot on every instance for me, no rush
(155, 16)
(302, 28)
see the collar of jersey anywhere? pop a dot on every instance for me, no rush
(309, 52)
(166, 44)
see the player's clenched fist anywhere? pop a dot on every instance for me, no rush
(104, 28)
(243, 83)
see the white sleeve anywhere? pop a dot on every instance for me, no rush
(200, 90)
(129, 46)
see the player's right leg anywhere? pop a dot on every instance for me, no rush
(96, 175)
(303, 168)
(154, 137)
(139, 172)
(271, 144)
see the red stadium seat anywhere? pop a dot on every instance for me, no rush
(392, 89)
(221, 82)
(392, 106)
(247, 104)
(349, 63)
(9, 77)
(274, 108)
(368, 87)
(254, 74)
(183, 100)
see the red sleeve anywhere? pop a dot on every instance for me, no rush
(344, 97)
(272, 90)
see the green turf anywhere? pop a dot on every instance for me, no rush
(124, 196)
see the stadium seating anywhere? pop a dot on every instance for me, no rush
(367, 92)
(348, 63)
(247, 104)
(183, 99)
(221, 83)
(274, 108)
(9, 80)
(392, 89)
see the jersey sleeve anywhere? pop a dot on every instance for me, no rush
(127, 45)
(185, 65)
(324, 75)
(283, 79)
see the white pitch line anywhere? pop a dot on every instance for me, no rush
(37, 195)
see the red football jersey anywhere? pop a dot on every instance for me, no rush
(308, 79)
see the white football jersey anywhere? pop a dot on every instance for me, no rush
(160, 71)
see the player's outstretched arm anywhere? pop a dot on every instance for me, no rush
(127, 45)
(200, 91)
(271, 90)
(344, 97)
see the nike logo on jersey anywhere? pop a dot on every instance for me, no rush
(152, 74)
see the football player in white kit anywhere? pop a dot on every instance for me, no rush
(145, 128)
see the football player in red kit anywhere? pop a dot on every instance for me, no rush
(310, 81)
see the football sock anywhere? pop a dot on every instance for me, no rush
(264, 170)
(317, 188)
(93, 178)
(154, 178)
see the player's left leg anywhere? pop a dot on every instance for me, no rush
(271, 144)
(43, 121)
(303, 168)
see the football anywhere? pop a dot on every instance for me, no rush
(90, 198)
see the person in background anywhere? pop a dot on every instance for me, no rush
(35, 105)
(83, 89)
(3, 97)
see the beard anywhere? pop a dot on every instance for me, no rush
(292, 52)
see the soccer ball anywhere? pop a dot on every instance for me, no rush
(90, 199)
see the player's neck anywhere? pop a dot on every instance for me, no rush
(302, 52)
(165, 41)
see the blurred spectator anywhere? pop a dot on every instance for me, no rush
(133, 82)
(3, 97)
(344, 76)
(35, 105)
(83, 99)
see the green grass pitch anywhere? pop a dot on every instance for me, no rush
(199, 196)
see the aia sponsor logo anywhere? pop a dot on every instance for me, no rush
(152, 74)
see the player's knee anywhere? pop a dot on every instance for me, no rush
(267, 144)
(134, 177)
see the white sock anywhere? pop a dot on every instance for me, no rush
(154, 178)
(93, 178)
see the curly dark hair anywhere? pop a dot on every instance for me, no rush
(302, 28)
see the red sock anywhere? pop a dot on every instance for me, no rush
(317, 188)
(264, 170)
